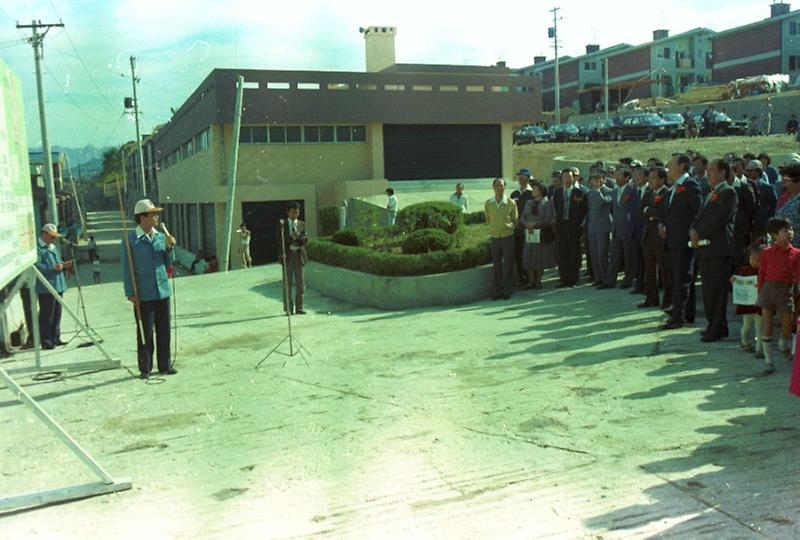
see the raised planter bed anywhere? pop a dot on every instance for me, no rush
(392, 293)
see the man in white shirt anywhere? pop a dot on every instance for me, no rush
(459, 199)
(391, 207)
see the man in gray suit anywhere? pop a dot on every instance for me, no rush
(292, 232)
(622, 206)
(598, 225)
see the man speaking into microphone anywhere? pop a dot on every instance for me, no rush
(293, 237)
(151, 251)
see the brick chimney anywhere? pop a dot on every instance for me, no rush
(778, 8)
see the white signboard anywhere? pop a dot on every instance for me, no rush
(745, 291)
(17, 230)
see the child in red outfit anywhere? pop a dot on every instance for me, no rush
(751, 315)
(779, 270)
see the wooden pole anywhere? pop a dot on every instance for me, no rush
(136, 307)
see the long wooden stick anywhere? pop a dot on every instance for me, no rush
(136, 307)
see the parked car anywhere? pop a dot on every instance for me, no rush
(643, 126)
(595, 131)
(533, 134)
(676, 121)
(565, 132)
(723, 125)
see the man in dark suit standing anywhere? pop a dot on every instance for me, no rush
(292, 231)
(638, 224)
(712, 239)
(622, 206)
(656, 262)
(683, 205)
(745, 212)
(521, 196)
(570, 205)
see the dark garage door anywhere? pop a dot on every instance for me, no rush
(262, 220)
(422, 152)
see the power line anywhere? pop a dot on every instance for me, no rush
(75, 103)
(102, 95)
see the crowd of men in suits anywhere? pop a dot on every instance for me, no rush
(663, 225)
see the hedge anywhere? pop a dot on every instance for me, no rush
(430, 215)
(474, 218)
(328, 220)
(426, 240)
(379, 263)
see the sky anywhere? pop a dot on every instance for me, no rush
(86, 69)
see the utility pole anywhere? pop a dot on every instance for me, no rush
(231, 198)
(605, 84)
(138, 136)
(37, 41)
(554, 33)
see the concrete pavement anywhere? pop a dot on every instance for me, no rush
(560, 413)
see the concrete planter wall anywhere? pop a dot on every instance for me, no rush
(391, 293)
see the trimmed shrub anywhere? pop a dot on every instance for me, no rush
(379, 263)
(430, 215)
(427, 240)
(474, 218)
(349, 237)
(328, 220)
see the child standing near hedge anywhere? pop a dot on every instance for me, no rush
(391, 207)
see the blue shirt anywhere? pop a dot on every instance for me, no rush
(48, 259)
(791, 211)
(150, 260)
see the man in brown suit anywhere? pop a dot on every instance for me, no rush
(293, 233)
(656, 263)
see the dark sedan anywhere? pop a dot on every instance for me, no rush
(644, 126)
(596, 131)
(533, 134)
(721, 125)
(566, 132)
(676, 121)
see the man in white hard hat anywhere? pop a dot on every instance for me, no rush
(52, 267)
(151, 253)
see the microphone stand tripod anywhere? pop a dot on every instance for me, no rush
(295, 347)
(91, 332)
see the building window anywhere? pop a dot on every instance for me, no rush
(277, 134)
(259, 135)
(338, 86)
(395, 87)
(794, 63)
(793, 28)
(204, 140)
(245, 135)
(590, 66)
(359, 134)
(448, 88)
(308, 86)
(311, 134)
(667, 52)
(474, 88)
(366, 86)
(327, 134)
(278, 86)
(293, 134)
(422, 88)
(499, 88)
(343, 134)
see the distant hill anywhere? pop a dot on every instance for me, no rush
(90, 159)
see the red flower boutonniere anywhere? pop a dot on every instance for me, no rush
(714, 197)
(626, 198)
(679, 190)
(658, 199)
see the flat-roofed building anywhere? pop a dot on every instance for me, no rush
(765, 47)
(319, 137)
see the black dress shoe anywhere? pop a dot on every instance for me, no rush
(48, 346)
(668, 311)
(59, 343)
(645, 304)
(170, 371)
(710, 337)
(144, 376)
(300, 312)
(671, 325)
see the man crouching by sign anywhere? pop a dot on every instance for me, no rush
(146, 253)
